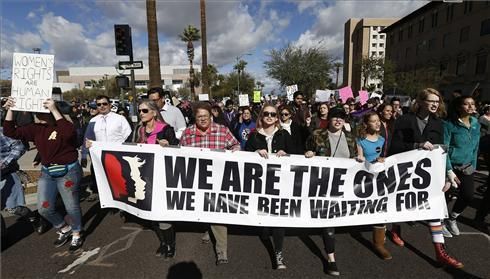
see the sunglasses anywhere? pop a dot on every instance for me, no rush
(269, 114)
(102, 104)
(284, 114)
(143, 110)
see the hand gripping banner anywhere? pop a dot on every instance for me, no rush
(202, 185)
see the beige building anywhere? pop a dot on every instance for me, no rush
(452, 38)
(362, 38)
(173, 76)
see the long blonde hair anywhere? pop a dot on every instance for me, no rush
(422, 96)
(261, 116)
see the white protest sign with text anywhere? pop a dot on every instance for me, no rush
(242, 188)
(243, 100)
(290, 91)
(32, 81)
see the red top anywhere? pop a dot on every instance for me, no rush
(56, 144)
(216, 137)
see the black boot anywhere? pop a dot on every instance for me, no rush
(37, 221)
(162, 248)
(169, 235)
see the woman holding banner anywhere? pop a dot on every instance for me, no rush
(462, 136)
(55, 139)
(335, 141)
(154, 130)
(270, 138)
(422, 129)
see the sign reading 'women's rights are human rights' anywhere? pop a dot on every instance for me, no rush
(32, 81)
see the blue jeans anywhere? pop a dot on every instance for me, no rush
(68, 187)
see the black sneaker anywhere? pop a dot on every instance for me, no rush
(280, 261)
(332, 269)
(162, 250)
(76, 243)
(170, 253)
(62, 238)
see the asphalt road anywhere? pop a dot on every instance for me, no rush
(119, 248)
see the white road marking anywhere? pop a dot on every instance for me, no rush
(80, 260)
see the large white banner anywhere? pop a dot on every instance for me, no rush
(32, 81)
(201, 185)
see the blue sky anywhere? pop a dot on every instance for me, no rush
(81, 33)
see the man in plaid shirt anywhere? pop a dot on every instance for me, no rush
(206, 134)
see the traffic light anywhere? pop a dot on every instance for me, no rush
(124, 45)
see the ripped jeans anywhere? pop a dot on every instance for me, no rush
(68, 187)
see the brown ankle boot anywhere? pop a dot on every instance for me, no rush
(445, 259)
(379, 243)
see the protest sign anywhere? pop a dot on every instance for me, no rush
(202, 185)
(323, 95)
(374, 95)
(32, 81)
(345, 93)
(290, 91)
(363, 97)
(203, 97)
(243, 100)
(257, 96)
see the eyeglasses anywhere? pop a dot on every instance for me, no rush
(143, 110)
(284, 114)
(102, 104)
(269, 114)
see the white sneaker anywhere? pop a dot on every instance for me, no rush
(452, 226)
(445, 232)
(280, 261)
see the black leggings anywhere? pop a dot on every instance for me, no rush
(277, 237)
(466, 191)
(328, 236)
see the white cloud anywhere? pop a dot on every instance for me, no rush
(31, 15)
(329, 25)
(28, 40)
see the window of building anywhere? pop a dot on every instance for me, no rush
(381, 53)
(381, 45)
(180, 71)
(382, 37)
(409, 33)
(432, 43)
(400, 35)
(375, 37)
(407, 52)
(375, 28)
(177, 81)
(374, 45)
(434, 19)
(87, 83)
(443, 68)
(460, 65)
(373, 53)
(485, 27)
(421, 25)
(449, 12)
(140, 82)
(446, 40)
(464, 34)
(481, 63)
(468, 6)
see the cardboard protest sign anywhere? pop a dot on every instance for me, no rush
(323, 95)
(243, 100)
(203, 97)
(290, 91)
(32, 81)
(257, 96)
(363, 97)
(202, 185)
(345, 93)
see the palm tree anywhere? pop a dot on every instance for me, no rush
(205, 77)
(337, 66)
(153, 49)
(240, 67)
(190, 34)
